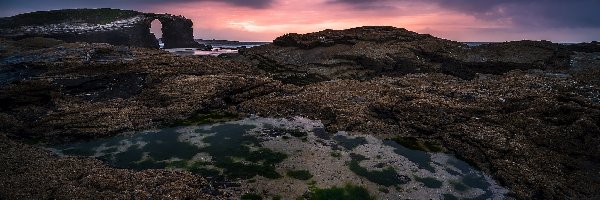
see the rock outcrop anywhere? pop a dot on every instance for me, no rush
(80, 178)
(516, 110)
(112, 26)
(367, 52)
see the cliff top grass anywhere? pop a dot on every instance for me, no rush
(92, 16)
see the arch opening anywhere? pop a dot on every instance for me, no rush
(156, 30)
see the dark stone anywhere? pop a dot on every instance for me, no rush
(104, 87)
(113, 26)
(368, 52)
(177, 32)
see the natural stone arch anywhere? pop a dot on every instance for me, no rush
(177, 31)
(125, 27)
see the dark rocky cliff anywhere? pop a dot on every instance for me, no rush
(112, 26)
(371, 51)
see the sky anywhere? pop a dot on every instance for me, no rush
(460, 20)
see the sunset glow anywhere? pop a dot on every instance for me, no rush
(462, 20)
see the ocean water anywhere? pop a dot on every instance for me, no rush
(474, 44)
(193, 51)
(218, 48)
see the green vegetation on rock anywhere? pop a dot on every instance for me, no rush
(206, 118)
(430, 182)
(458, 186)
(231, 150)
(386, 177)
(336, 154)
(348, 192)
(450, 197)
(233, 153)
(384, 190)
(300, 174)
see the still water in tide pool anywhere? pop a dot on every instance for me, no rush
(288, 157)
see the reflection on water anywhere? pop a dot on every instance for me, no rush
(286, 157)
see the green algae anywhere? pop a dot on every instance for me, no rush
(251, 196)
(458, 186)
(357, 157)
(450, 197)
(299, 174)
(348, 192)
(430, 182)
(201, 118)
(234, 153)
(385, 177)
(384, 190)
(335, 154)
(231, 142)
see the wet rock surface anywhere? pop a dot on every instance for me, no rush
(32, 173)
(290, 159)
(529, 119)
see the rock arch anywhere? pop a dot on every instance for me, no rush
(177, 31)
(113, 26)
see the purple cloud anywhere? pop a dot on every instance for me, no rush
(524, 13)
(12, 7)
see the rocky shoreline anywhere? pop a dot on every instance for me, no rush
(527, 112)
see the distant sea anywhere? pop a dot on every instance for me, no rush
(218, 47)
(474, 44)
(226, 46)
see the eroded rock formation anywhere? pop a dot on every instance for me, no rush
(112, 26)
(535, 127)
(367, 52)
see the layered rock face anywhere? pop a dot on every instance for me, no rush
(526, 112)
(112, 26)
(367, 52)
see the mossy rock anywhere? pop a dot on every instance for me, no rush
(206, 118)
(300, 174)
(430, 182)
(348, 192)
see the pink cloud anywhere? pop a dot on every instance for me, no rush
(213, 20)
